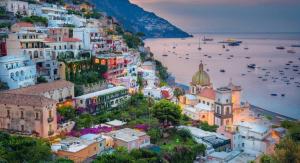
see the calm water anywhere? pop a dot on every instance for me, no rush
(262, 52)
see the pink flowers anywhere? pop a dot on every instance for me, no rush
(103, 129)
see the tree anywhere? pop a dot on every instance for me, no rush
(167, 113)
(185, 134)
(68, 112)
(178, 92)
(41, 79)
(3, 86)
(266, 159)
(287, 151)
(206, 127)
(23, 149)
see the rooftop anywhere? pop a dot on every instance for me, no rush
(25, 100)
(42, 88)
(126, 134)
(103, 92)
(23, 24)
(116, 123)
(254, 127)
(208, 93)
(201, 106)
(72, 144)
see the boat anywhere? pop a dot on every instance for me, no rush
(280, 47)
(165, 55)
(273, 94)
(247, 57)
(223, 46)
(296, 46)
(199, 47)
(187, 58)
(252, 66)
(234, 44)
(228, 41)
(282, 95)
(187, 54)
(227, 50)
(207, 39)
(291, 51)
(222, 70)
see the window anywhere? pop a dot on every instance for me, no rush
(22, 127)
(8, 113)
(228, 110)
(71, 46)
(36, 116)
(22, 115)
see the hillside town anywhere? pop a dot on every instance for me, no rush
(85, 90)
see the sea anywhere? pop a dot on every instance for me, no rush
(277, 71)
(273, 85)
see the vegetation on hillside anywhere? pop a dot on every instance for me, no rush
(288, 149)
(35, 20)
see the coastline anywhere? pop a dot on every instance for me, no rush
(259, 111)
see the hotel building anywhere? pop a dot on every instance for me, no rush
(28, 114)
(17, 71)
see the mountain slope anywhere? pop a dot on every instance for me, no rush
(135, 19)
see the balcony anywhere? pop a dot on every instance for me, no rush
(50, 133)
(50, 119)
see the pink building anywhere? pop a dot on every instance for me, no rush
(28, 114)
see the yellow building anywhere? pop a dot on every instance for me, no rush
(76, 149)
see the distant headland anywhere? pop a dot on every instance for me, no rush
(135, 19)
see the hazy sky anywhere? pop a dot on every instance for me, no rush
(228, 15)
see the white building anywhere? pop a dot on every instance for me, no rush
(15, 6)
(92, 39)
(200, 112)
(17, 71)
(65, 46)
(33, 44)
(251, 137)
(57, 16)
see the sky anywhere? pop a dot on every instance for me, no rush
(240, 16)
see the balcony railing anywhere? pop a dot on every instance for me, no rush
(50, 119)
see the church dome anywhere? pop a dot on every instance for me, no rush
(201, 77)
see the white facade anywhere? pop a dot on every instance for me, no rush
(69, 45)
(92, 39)
(15, 7)
(250, 137)
(17, 71)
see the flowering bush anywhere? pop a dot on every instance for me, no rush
(98, 130)
(143, 127)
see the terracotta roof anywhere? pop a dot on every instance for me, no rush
(23, 24)
(25, 100)
(208, 93)
(39, 89)
(71, 40)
